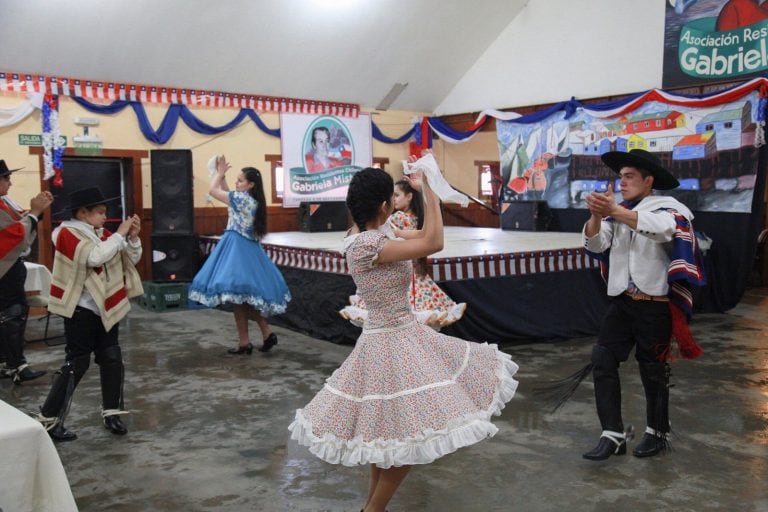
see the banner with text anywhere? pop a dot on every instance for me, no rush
(714, 41)
(321, 154)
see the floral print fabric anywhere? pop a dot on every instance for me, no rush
(406, 394)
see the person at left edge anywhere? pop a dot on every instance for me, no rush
(18, 230)
(94, 275)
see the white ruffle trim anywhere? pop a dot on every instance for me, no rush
(259, 303)
(424, 448)
(431, 318)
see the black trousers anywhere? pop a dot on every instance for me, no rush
(647, 327)
(13, 315)
(85, 335)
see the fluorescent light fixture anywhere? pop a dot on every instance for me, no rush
(392, 95)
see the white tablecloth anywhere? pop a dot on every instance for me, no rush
(32, 478)
(38, 279)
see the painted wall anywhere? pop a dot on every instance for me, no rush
(554, 50)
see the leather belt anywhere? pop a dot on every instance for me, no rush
(644, 296)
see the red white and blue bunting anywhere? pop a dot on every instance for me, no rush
(135, 96)
(616, 108)
(95, 90)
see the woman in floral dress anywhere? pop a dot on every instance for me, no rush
(238, 274)
(431, 305)
(406, 394)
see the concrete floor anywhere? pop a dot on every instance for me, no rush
(208, 431)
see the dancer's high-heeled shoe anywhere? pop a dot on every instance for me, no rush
(243, 349)
(270, 342)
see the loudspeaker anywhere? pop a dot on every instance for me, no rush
(330, 216)
(174, 257)
(172, 198)
(525, 215)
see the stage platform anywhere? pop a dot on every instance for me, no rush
(517, 284)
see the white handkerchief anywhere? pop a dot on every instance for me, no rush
(428, 165)
(212, 166)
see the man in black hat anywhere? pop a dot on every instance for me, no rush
(92, 281)
(18, 230)
(639, 234)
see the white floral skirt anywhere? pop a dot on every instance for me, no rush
(406, 396)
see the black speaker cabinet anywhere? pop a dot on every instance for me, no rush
(172, 197)
(330, 216)
(174, 257)
(525, 215)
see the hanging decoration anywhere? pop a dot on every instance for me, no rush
(178, 99)
(15, 115)
(53, 147)
(422, 138)
(171, 119)
(93, 90)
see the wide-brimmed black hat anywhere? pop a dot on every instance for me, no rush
(642, 159)
(85, 197)
(5, 171)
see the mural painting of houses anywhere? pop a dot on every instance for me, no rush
(636, 142)
(699, 145)
(664, 141)
(729, 125)
(655, 121)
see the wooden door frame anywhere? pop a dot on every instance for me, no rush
(135, 204)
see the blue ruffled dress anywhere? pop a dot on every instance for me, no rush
(238, 271)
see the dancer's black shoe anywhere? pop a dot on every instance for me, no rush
(114, 424)
(611, 443)
(60, 434)
(26, 374)
(270, 342)
(651, 444)
(243, 349)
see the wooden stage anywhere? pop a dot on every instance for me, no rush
(517, 284)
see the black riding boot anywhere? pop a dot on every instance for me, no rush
(655, 377)
(112, 372)
(12, 322)
(54, 410)
(605, 374)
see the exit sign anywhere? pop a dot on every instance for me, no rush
(35, 139)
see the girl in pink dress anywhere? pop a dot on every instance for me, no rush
(431, 305)
(406, 394)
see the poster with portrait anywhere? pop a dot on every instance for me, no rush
(708, 41)
(321, 154)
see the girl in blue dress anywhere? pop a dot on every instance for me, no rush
(238, 273)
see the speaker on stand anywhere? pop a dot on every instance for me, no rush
(525, 215)
(174, 245)
(328, 216)
(174, 258)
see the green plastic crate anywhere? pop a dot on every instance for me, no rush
(164, 296)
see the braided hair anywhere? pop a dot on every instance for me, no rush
(253, 175)
(368, 188)
(417, 205)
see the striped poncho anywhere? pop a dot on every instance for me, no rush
(685, 270)
(17, 232)
(110, 285)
